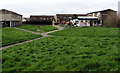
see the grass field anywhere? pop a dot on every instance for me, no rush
(0, 37)
(38, 28)
(64, 52)
(88, 32)
(0, 51)
(12, 36)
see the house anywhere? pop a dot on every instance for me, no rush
(84, 21)
(108, 16)
(10, 18)
(63, 18)
(24, 19)
(41, 18)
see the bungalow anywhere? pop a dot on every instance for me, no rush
(84, 21)
(10, 18)
(108, 16)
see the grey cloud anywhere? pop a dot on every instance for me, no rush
(72, 6)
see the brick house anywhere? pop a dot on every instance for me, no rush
(41, 18)
(107, 17)
(10, 18)
(63, 18)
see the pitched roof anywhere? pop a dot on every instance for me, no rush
(41, 15)
(71, 14)
(103, 11)
(10, 11)
(87, 18)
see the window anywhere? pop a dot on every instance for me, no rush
(76, 21)
(94, 22)
(98, 22)
(84, 21)
(93, 14)
(98, 14)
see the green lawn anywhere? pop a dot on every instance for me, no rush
(38, 28)
(62, 25)
(0, 51)
(12, 36)
(88, 32)
(64, 52)
(0, 37)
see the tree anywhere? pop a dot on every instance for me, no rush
(74, 16)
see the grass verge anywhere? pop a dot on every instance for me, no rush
(12, 36)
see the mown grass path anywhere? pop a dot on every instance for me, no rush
(43, 34)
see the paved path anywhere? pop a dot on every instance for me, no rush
(43, 34)
(59, 28)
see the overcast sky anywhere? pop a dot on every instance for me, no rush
(52, 7)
